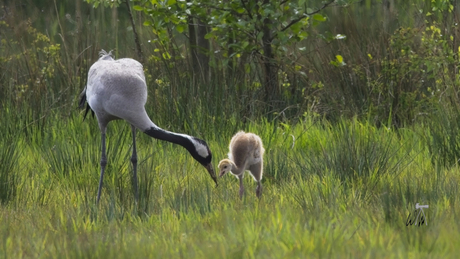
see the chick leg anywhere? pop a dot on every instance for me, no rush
(240, 177)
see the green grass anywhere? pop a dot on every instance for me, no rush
(306, 210)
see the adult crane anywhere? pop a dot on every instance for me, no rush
(116, 89)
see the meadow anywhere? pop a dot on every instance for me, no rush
(329, 191)
(336, 185)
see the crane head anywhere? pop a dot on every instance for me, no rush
(211, 172)
(203, 155)
(225, 166)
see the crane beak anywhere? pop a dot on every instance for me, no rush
(210, 169)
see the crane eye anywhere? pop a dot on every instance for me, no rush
(225, 167)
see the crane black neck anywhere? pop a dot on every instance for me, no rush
(162, 134)
(188, 142)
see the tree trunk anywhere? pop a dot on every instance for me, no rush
(193, 48)
(79, 43)
(78, 16)
(388, 6)
(271, 73)
(231, 51)
(115, 28)
(203, 50)
(136, 36)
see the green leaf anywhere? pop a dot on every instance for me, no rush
(302, 35)
(260, 35)
(247, 68)
(305, 21)
(180, 27)
(166, 55)
(339, 58)
(138, 8)
(338, 62)
(296, 28)
(282, 36)
(319, 17)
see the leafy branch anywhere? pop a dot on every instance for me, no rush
(302, 17)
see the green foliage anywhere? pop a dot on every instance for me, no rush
(357, 151)
(442, 136)
(338, 61)
(39, 59)
(233, 24)
(394, 79)
(106, 3)
(9, 166)
(419, 72)
(244, 35)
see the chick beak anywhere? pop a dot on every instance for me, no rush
(210, 169)
(222, 173)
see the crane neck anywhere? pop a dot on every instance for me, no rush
(235, 169)
(161, 134)
(196, 147)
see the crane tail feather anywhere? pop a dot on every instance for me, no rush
(86, 112)
(81, 104)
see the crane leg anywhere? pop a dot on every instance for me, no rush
(103, 164)
(134, 161)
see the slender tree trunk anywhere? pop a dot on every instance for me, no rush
(78, 16)
(270, 77)
(203, 50)
(231, 51)
(193, 47)
(271, 73)
(456, 33)
(136, 36)
(388, 6)
(115, 27)
(79, 44)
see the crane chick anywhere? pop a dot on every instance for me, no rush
(246, 153)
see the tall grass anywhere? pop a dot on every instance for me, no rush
(443, 137)
(304, 210)
(9, 166)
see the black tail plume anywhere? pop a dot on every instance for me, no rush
(81, 103)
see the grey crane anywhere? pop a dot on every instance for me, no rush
(116, 89)
(246, 154)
